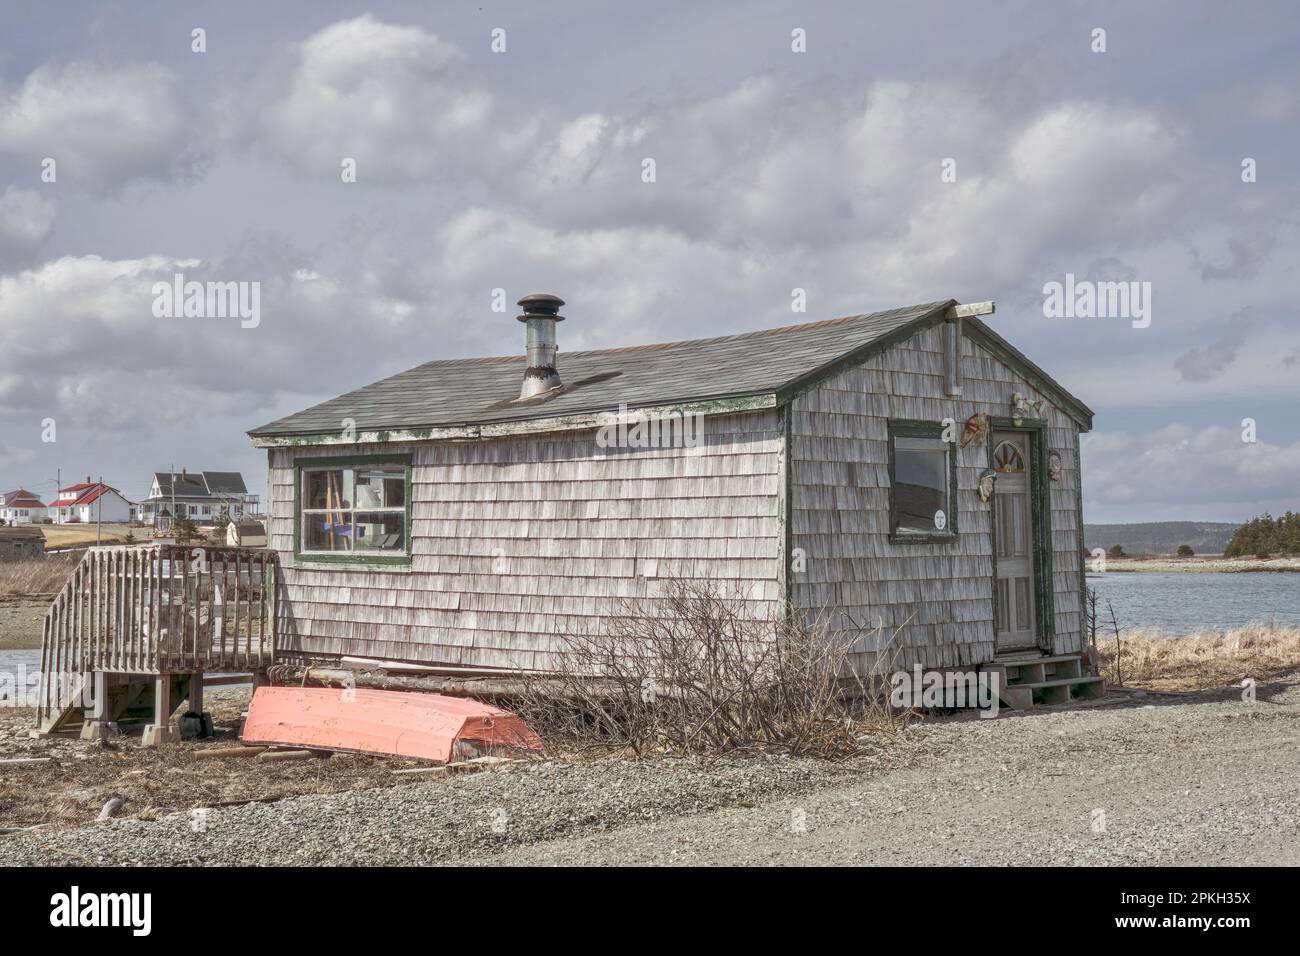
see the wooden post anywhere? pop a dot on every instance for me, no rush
(94, 725)
(196, 692)
(236, 595)
(159, 732)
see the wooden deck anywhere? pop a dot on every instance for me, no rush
(155, 611)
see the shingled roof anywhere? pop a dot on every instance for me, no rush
(200, 484)
(465, 392)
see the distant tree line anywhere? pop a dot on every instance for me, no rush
(1266, 535)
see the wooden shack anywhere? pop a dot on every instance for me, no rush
(909, 469)
(22, 543)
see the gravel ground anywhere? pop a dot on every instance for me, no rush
(20, 622)
(1190, 781)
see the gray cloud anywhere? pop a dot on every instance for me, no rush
(101, 125)
(26, 220)
(523, 171)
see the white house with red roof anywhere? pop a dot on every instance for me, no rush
(90, 502)
(20, 507)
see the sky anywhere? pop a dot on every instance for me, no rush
(872, 155)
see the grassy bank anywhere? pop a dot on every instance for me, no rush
(59, 536)
(21, 579)
(1202, 660)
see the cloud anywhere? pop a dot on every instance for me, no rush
(1246, 256)
(83, 344)
(1209, 362)
(26, 220)
(757, 169)
(1139, 469)
(397, 99)
(12, 457)
(102, 125)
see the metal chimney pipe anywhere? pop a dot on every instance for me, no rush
(541, 312)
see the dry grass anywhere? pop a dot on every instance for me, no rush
(1203, 660)
(24, 578)
(83, 535)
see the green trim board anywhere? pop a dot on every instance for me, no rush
(1040, 517)
(784, 506)
(527, 426)
(351, 559)
(1083, 569)
(911, 428)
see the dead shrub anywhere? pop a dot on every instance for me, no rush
(691, 671)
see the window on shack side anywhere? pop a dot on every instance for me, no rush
(355, 509)
(922, 483)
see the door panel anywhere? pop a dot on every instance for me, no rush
(1015, 619)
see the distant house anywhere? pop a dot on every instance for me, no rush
(202, 496)
(20, 507)
(21, 544)
(90, 502)
(246, 534)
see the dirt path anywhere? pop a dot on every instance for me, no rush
(1186, 781)
(1192, 784)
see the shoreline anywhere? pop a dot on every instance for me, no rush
(1171, 565)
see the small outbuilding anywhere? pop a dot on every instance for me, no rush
(22, 543)
(246, 534)
(910, 470)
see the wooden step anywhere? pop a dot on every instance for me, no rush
(1057, 691)
(1038, 670)
(1031, 657)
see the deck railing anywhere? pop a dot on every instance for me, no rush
(160, 609)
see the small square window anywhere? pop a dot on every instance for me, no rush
(353, 510)
(922, 483)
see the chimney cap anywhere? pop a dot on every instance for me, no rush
(541, 305)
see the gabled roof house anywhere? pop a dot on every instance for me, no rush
(20, 506)
(89, 502)
(908, 468)
(201, 495)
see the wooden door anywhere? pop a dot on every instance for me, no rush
(1014, 613)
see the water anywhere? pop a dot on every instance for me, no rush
(19, 672)
(1186, 602)
(9, 660)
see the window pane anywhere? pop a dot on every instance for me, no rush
(325, 532)
(330, 488)
(381, 531)
(381, 488)
(920, 484)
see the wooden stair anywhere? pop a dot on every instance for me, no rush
(130, 618)
(1030, 680)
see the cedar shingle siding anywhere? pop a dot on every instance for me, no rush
(519, 539)
(938, 596)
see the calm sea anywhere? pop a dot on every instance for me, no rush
(1182, 603)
